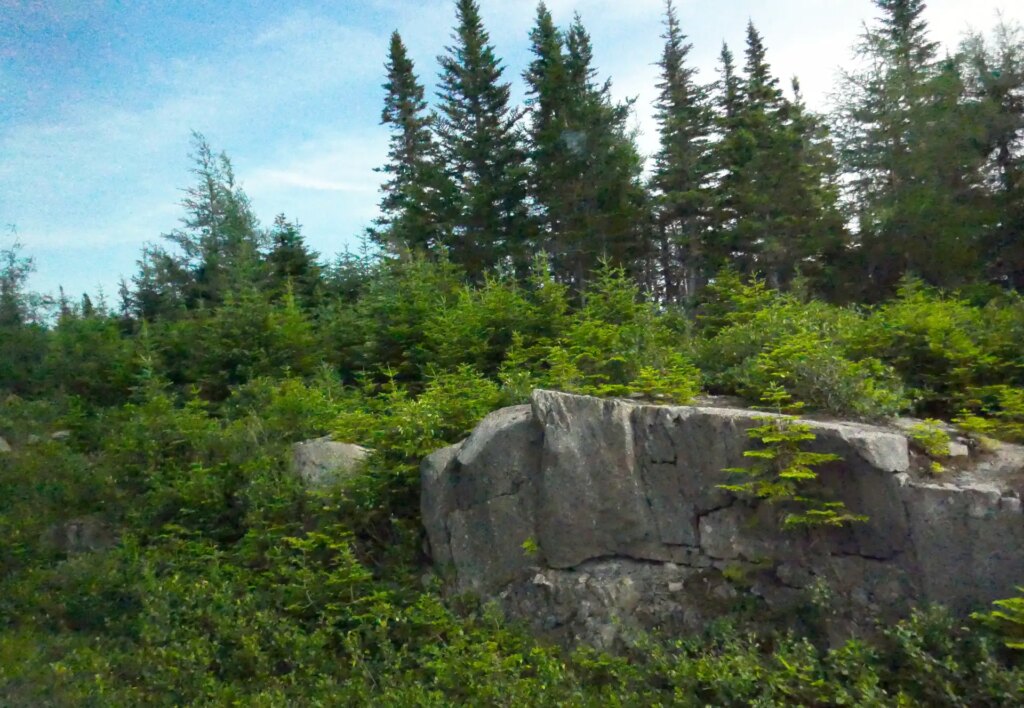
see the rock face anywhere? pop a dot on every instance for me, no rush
(592, 518)
(321, 462)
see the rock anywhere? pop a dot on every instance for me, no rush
(593, 519)
(81, 535)
(322, 462)
(60, 435)
(477, 503)
(958, 449)
(4, 446)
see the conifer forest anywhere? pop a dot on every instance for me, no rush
(865, 264)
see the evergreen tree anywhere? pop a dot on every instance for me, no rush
(218, 246)
(480, 145)
(682, 167)
(15, 304)
(722, 248)
(606, 211)
(416, 194)
(291, 265)
(777, 201)
(995, 74)
(550, 172)
(910, 150)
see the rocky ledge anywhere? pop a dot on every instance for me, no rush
(590, 519)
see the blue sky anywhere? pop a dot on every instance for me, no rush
(98, 98)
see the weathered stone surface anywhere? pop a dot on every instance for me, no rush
(322, 462)
(81, 535)
(479, 500)
(632, 531)
(4, 446)
(968, 541)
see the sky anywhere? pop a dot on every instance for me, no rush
(98, 99)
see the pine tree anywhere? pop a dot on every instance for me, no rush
(218, 246)
(480, 145)
(416, 195)
(776, 197)
(292, 268)
(909, 149)
(682, 167)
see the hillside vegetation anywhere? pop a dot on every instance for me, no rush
(199, 570)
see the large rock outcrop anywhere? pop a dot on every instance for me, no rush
(590, 518)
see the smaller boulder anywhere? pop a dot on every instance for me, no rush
(322, 462)
(4, 446)
(81, 535)
(61, 435)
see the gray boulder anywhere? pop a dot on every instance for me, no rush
(323, 462)
(80, 535)
(591, 518)
(5, 447)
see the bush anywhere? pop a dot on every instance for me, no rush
(804, 348)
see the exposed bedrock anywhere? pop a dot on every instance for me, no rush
(591, 518)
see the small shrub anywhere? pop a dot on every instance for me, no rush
(1007, 619)
(933, 441)
(782, 468)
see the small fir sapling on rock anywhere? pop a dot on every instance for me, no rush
(782, 469)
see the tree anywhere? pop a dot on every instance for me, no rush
(682, 167)
(547, 89)
(480, 145)
(585, 166)
(776, 203)
(994, 74)
(219, 244)
(416, 196)
(22, 338)
(727, 154)
(291, 265)
(908, 146)
(15, 303)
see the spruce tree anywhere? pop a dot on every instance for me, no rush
(721, 247)
(995, 72)
(416, 195)
(776, 204)
(682, 167)
(607, 211)
(219, 244)
(481, 148)
(549, 155)
(291, 266)
(915, 170)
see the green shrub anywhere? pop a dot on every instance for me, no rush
(933, 441)
(1007, 619)
(802, 347)
(782, 469)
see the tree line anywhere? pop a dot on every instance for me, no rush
(918, 170)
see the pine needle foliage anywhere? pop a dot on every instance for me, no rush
(1007, 619)
(782, 468)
